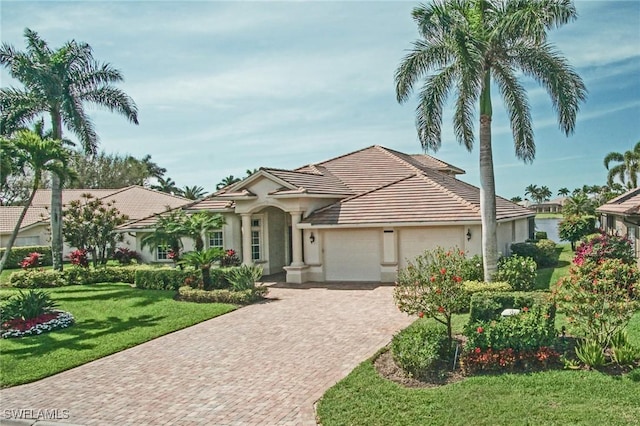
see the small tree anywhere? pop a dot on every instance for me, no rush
(574, 228)
(203, 260)
(432, 285)
(90, 224)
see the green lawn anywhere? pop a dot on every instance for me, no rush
(552, 398)
(109, 318)
(547, 277)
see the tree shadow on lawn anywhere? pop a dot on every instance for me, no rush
(84, 335)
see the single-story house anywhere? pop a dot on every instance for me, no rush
(134, 201)
(621, 216)
(356, 217)
(551, 206)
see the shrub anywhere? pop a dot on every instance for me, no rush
(602, 246)
(574, 228)
(431, 286)
(472, 269)
(244, 297)
(230, 258)
(27, 306)
(473, 287)
(79, 258)
(164, 278)
(541, 235)
(488, 306)
(244, 277)
(31, 261)
(546, 255)
(490, 360)
(625, 354)
(590, 353)
(528, 249)
(37, 279)
(418, 347)
(125, 256)
(598, 298)
(19, 253)
(518, 271)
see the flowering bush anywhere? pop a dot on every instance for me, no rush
(603, 246)
(30, 313)
(599, 299)
(44, 323)
(492, 360)
(518, 271)
(31, 261)
(230, 258)
(79, 258)
(125, 256)
(432, 285)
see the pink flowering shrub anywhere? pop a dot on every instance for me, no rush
(31, 261)
(604, 246)
(79, 258)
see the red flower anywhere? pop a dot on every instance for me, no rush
(457, 279)
(443, 271)
(421, 314)
(478, 350)
(438, 291)
(480, 329)
(440, 309)
(525, 309)
(433, 279)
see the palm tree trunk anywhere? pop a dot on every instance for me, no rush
(56, 199)
(487, 185)
(16, 229)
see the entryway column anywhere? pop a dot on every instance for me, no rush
(296, 239)
(246, 239)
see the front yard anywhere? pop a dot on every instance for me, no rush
(552, 397)
(109, 318)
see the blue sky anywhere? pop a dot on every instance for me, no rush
(226, 86)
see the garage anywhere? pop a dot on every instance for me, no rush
(352, 255)
(414, 241)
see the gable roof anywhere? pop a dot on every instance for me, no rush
(625, 204)
(136, 202)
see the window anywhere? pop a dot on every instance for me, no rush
(611, 223)
(256, 234)
(162, 253)
(27, 241)
(216, 239)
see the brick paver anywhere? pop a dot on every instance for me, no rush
(264, 364)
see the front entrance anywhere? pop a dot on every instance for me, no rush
(271, 239)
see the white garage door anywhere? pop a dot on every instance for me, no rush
(352, 255)
(414, 241)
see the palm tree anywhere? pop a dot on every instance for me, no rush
(545, 194)
(578, 205)
(516, 199)
(167, 185)
(166, 233)
(532, 191)
(464, 46)
(627, 169)
(193, 192)
(229, 180)
(197, 225)
(203, 259)
(563, 192)
(59, 82)
(28, 149)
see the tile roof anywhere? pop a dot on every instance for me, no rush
(319, 182)
(625, 204)
(134, 201)
(9, 216)
(423, 197)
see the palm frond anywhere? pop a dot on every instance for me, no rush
(612, 156)
(114, 99)
(431, 103)
(422, 58)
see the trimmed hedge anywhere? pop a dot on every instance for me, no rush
(243, 297)
(487, 306)
(542, 251)
(165, 278)
(473, 287)
(19, 253)
(419, 347)
(71, 276)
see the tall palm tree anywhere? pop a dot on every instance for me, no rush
(193, 192)
(578, 205)
(229, 180)
(60, 83)
(516, 199)
(563, 192)
(167, 185)
(464, 46)
(532, 191)
(628, 168)
(28, 149)
(545, 194)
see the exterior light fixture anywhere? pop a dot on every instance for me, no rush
(312, 238)
(468, 234)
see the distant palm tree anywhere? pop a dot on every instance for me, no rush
(167, 185)
(628, 168)
(229, 180)
(516, 199)
(193, 192)
(545, 194)
(28, 149)
(463, 47)
(578, 205)
(59, 82)
(563, 192)
(532, 191)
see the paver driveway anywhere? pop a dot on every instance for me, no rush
(263, 364)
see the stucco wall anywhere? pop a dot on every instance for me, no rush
(34, 236)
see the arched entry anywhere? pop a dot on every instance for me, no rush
(270, 238)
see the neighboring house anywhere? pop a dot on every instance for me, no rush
(621, 216)
(357, 217)
(552, 206)
(134, 201)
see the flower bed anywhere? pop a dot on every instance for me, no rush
(19, 327)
